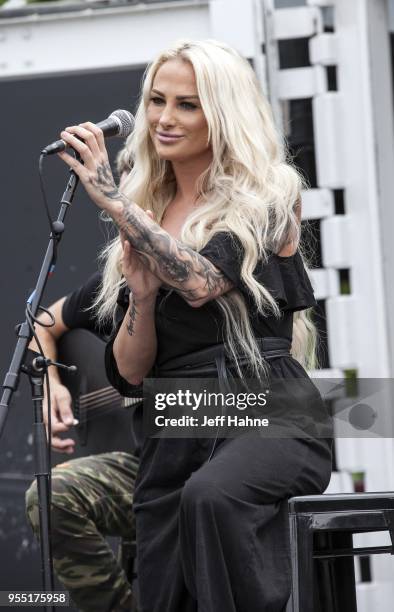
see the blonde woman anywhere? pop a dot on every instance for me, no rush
(208, 250)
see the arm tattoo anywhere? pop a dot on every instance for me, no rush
(189, 273)
(132, 317)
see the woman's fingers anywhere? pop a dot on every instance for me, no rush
(84, 143)
(80, 147)
(73, 163)
(126, 249)
(98, 133)
(127, 259)
(126, 252)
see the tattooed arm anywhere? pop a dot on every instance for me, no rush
(178, 266)
(135, 345)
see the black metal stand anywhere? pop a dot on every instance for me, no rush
(36, 371)
(36, 375)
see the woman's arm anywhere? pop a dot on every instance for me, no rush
(190, 274)
(135, 345)
(177, 265)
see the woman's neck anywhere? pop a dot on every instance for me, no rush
(187, 174)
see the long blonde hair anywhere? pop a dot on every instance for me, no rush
(249, 189)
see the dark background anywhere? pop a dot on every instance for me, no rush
(33, 113)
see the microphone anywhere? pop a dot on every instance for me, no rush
(119, 123)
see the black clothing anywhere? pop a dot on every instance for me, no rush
(76, 311)
(182, 329)
(217, 532)
(212, 531)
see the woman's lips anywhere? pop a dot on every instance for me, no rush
(167, 138)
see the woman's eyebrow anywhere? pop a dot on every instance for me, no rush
(177, 97)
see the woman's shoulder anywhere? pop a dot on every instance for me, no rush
(286, 277)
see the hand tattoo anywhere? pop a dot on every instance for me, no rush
(104, 181)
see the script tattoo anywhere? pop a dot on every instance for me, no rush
(132, 316)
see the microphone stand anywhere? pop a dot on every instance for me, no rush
(35, 366)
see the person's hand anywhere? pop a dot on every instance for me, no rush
(142, 283)
(62, 417)
(95, 173)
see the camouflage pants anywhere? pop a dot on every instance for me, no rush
(91, 498)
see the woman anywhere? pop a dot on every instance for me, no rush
(209, 227)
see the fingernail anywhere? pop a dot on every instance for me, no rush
(75, 422)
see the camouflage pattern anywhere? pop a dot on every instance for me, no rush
(91, 498)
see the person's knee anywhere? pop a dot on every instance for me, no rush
(64, 502)
(200, 493)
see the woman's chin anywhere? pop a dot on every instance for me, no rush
(170, 156)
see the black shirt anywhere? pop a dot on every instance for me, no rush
(75, 311)
(182, 329)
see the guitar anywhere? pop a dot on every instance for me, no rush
(89, 386)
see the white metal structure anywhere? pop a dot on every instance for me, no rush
(353, 129)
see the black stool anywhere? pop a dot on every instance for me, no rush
(321, 529)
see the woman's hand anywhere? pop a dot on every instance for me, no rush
(95, 173)
(142, 282)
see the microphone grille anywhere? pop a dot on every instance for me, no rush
(125, 120)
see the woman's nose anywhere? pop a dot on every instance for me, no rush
(167, 117)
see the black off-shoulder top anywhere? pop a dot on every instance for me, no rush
(182, 329)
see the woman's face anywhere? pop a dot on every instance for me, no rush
(177, 124)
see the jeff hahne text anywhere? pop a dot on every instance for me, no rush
(208, 400)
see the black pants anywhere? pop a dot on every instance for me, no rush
(214, 536)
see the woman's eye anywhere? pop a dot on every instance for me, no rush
(188, 105)
(184, 105)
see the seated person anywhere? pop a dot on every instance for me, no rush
(92, 496)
